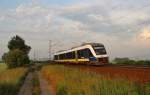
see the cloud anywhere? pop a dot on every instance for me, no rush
(93, 21)
(145, 34)
(143, 37)
(129, 17)
(2, 18)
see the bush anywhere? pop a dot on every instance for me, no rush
(127, 61)
(123, 61)
(16, 58)
(18, 53)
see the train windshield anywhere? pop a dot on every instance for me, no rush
(99, 49)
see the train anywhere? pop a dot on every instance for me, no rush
(87, 53)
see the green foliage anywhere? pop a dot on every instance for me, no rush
(143, 62)
(4, 57)
(2, 67)
(123, 61)
(16, 58)
(18, 53)
(131, 62)
(18, 43)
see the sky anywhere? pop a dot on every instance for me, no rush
(123, 26)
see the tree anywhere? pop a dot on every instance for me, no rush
(18, 53)
(4, 56)
(16, 58)
(123, 61)
(18, 43)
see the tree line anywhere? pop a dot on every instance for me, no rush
(129, 61)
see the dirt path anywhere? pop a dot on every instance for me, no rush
(45, 89)
(26, 89)
(30, 87)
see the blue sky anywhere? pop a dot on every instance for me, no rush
(7, 4)
(122, 26)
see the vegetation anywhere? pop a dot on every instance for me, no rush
(2, 67)
(1, 61)
(11, 80)
(36, 84)
(131, 62)
(35, 80)
(73, 81)
(18, 53)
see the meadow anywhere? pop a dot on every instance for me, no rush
(11, 80)
(73, 81)
(2, 67)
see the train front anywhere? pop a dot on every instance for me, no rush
(101, 54)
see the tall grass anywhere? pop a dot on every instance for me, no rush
(73, 81)
(10, 80)
(2, 67)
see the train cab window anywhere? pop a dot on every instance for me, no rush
(99, 49)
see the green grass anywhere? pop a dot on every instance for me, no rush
(2, 67)
(11, 80)
(73, 81)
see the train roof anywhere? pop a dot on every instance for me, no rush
(82, 45)
(92, 44)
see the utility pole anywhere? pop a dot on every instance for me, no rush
(34, 55)
(50, 47)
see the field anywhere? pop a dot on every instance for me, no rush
(10, 80)
(2, 67)
(75, 81)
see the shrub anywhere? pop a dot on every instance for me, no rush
(16, 58)
(18, 53)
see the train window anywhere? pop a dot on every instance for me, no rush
(100, 50)
(70, 55)
(85, 53)
(61, 56)
(64, 56)
(73, 55)
(80, 54)
(56, 57)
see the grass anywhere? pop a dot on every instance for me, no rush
(36, 84)
(11, 80)
(2, 67)
(73, 81)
